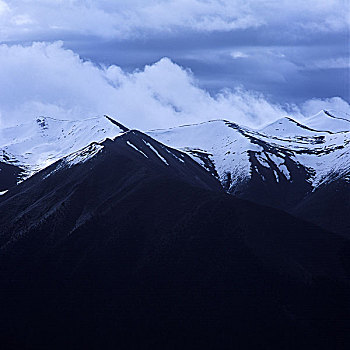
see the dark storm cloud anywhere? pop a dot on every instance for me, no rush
(287, 67)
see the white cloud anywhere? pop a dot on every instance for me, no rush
(238, 54)
(331, 63)
(21, 20)
(4, 8)
(46, 79)
(337, 104)
(32, 19)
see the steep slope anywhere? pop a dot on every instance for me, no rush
(328, 206)
(280, 165)
(284, 165)
(39, 143)
(331, 121)
(131, 244)
(9, 175)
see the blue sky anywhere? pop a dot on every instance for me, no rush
(280, 54)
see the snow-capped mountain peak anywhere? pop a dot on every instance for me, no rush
(320, 145)
(330, 121)
(288, 154)
(37, 144)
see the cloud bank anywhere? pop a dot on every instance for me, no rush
(32, 19)
(288, 50)
(47, 79)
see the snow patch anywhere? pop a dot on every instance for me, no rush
(277, 160)
(285, 171)
(276, 176)
(175, 156)
(83, 155)
(136, 149)
(262, 160)
(156, 152)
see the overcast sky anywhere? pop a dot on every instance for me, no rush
(157, 63)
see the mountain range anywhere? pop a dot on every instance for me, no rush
(293, 166)
(211, 235)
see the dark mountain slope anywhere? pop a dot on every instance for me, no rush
(329, 206)
(138, 247)
(283, 165)
(9, 175)
(263, 188)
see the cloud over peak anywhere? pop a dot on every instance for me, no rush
(47, 79)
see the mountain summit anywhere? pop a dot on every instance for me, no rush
(296, 166)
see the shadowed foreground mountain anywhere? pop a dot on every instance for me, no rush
(131, 244)
(8, 175)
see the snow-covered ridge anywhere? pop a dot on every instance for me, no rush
(156, 152)
(232, 153)
(39, 143)
(321, 144)
(138, 142)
